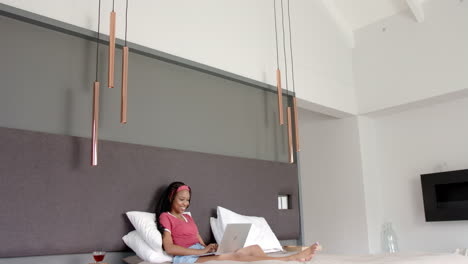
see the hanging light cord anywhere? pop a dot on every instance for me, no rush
(284, 50)
(126, 18)
(97, 46)
(276, 36)
(113, 4)
(291, 51)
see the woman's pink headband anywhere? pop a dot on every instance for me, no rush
(181, 188)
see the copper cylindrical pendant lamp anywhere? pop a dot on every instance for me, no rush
(95, 124)
(111, 50)
(123, 112)
(296, 119)
(290, 143)
(94, 147)
(278, 73)
(280, 97)
(296, 124)
(123, 97)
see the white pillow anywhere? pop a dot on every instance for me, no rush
(146, 227)
(217, 232)
(260, 233)
(143, 250)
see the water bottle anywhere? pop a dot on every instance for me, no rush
(389, 239)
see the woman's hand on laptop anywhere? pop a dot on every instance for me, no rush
(211, 248)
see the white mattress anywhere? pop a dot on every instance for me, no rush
(414, 258)
(400, 258)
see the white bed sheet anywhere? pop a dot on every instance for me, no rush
(399, 258)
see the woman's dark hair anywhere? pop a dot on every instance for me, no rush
(165, 202)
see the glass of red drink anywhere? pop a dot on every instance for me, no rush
(99, 256)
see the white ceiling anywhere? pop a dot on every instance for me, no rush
(351, 15)
(360, 13)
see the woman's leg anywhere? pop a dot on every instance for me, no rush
(304, 255)
(254, 250)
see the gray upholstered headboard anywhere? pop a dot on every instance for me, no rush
(54, 202)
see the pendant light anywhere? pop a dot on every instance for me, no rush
(110, 76)
(278, 73)
(290, 141)
(289, 119)
(95, 124)
(123, 109)
(296, 120)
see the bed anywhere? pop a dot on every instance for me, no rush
(398, 258)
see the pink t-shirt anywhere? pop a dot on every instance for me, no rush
(184, 232)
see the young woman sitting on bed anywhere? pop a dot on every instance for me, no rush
(180, 235)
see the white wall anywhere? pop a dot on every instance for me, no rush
(417, 73)
(358, 173)
(372, 182)
(322, 59)
(334, 210)
(412, 61)
(415, 142)
(235, 36)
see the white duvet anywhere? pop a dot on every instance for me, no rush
(399, 258)
(392, 259)
(372, 259)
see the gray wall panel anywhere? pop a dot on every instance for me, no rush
(47, 86)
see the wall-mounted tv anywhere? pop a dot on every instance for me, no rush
(445, 195)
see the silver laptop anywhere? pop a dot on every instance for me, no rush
(234, 239)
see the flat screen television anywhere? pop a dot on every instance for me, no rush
(445, 195)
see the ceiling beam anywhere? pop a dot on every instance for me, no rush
(416, 8)
(340, 21)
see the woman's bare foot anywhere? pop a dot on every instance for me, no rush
(306, 254)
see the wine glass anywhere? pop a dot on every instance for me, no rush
(99, 256)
